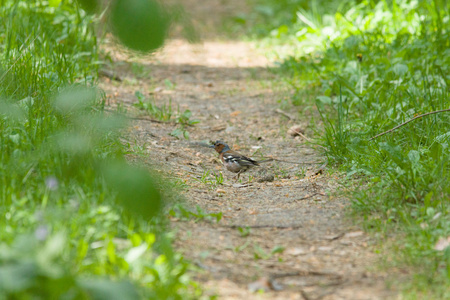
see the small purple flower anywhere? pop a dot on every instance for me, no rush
(41, 233)
(51, 183)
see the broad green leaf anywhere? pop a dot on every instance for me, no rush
(103, 289)
(139, 24)
(400, 69)
(136, 189)
(414, 156)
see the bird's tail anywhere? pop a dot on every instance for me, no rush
(266, 160)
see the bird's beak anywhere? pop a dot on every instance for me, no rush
(211, 146)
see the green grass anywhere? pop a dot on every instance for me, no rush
(77, 221)
(370, 66)
(275, 17)
(165, 113)
(180, 212)
(211, 179)
(162, 113)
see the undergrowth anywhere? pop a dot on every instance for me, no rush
(165, 113)
(77, 222)
(374, 65)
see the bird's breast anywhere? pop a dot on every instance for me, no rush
(233, 166)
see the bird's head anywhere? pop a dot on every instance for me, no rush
(219, 146)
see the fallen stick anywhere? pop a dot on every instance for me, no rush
(109, 74)
(403, 124)
(293, 226)
(307, 197)
(279, 111)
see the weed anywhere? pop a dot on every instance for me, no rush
(281, 172)
(179, 211)
(259, 253)
(374, 65)
(169, 84)
(165, 113)
(242, 247)
(140, 70)
(244, 231)
(183, 120)
(73, 208)
(211, 179)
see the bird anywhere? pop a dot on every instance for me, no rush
(234, 161)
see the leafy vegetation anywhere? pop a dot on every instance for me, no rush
(180, 212)
(371, 65)
(165, 113)
(211, 179)
(77, 221)
(80, 223)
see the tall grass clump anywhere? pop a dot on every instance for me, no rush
(375, 65)
(77, 222)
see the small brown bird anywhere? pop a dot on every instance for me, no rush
(234, 161)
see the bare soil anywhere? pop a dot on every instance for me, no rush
(294, 242)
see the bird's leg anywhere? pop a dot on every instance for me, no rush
(237, 175)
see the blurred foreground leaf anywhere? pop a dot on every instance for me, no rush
(103, 289)
(136, 189)
(30, 269)
(90, 6)
(75, 99)
(139, 24)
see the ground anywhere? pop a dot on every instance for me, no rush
(290, 236)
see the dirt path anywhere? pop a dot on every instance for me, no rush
(288, 236)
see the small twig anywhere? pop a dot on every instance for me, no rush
(308, 139)
(304, 136)
(284, 114)
(297, 163)
(147, 119)
(403, 124)
(307, 197)
(265, 226)
(305, 273)
(109, 74)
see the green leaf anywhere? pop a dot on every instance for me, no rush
(400, 69)
(111, 251)
(103, 289)
(139, 95)
(17, 276)
(442, 138)
(414, 156)
(136, 188)
(90, 6)
(136, 252)
(277, 249)
(139, 24)
(15, 138)
(177, 132)
(54, 3)
(324, 99)
(75, 99)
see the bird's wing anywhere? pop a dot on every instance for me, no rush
(240, 159)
